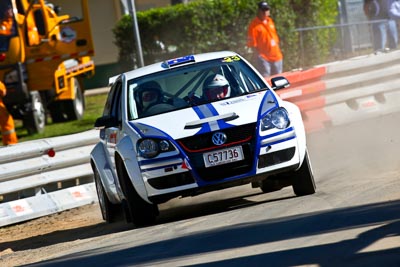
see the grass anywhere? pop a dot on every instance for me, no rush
(93, 110)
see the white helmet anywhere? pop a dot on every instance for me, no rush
(216, 87)
(149, 94)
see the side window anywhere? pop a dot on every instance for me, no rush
(116, 105)
(113, 105)
(108, 105)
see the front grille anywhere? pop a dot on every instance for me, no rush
(276, 157)
(203, 142)
(195, 146)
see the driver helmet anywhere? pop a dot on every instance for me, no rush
(149, 94)
(216, 87)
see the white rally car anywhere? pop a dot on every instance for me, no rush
(192, 125)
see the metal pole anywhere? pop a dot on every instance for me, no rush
(132, 12)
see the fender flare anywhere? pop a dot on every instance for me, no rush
(127, 152)
(296, 117)
(99, 160)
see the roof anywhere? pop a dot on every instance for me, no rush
(161, 66)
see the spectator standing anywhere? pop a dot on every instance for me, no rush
(385, 31)
(263, 39)
(9, 136)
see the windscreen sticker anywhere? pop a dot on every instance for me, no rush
(231, 59)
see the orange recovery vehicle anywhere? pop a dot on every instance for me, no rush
(44, 57)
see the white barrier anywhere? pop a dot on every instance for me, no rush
(32, 184)
(362, 88)
(45, 204)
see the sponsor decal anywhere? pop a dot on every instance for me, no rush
(79, 193)
(231, 59)
(21, 207)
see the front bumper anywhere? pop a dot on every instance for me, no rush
(263, 155)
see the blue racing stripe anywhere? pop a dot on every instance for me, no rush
(206, 111)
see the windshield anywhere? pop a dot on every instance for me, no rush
(191, 85)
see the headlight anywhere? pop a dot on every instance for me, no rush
(149, 148)
(277, 118)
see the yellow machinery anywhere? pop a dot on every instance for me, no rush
(44, 57)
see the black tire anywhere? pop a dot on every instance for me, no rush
(56, 112)
(75, 108)
(69, 110)
(110, 212)
(141, 213)
(270, 185)
(276, 182)
(303, 179)
(34, 119)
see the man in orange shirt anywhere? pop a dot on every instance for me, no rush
(8, 134)
(263, 39)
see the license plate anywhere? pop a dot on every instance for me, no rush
(223, 156)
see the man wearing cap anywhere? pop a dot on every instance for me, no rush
(263, 39)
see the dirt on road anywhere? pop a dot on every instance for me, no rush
(26, 243)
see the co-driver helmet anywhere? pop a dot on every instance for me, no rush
(216, 87)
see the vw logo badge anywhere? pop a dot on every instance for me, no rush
(219, 138)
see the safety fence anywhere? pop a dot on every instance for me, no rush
(351, 39)
(346, 91)
(42, 177)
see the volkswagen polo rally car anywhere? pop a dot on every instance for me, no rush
(192, 125)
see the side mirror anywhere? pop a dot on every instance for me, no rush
(279, 83)
(106, 122)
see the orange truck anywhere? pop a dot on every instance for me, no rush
(44, 57)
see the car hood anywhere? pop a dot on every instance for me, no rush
(208, 117)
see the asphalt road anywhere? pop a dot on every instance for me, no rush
(352, 220)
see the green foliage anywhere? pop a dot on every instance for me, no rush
(214, 25)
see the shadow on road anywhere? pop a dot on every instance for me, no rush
(383, 218)
(171, 214)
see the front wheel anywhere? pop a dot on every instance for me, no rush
(141, 213)
(74, 108)
(109, 211)
(270, 185)
(34, 119)
(303, 179)
(71, 109)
